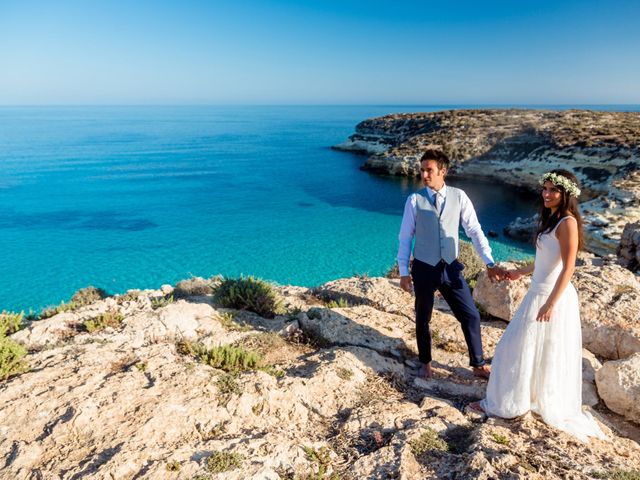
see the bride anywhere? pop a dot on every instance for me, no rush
(537, 364)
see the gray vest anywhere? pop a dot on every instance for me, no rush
(437, 238)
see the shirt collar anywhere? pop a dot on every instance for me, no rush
(442, 191)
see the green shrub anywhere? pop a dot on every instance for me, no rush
(10, 322)
(226, 357)
(160, 302)
(227, 386)
(250, 294)
(82, 298)
(394, 271)
(87, 296)
(49, 312)
(193, 287)
(224, 461)
(501, 439)
(11, 358)
(173, 466)
(619, 474)
(141, 366)
(322, 459)
(107, 319)
(130, 296)
(472, 262)
(227, 319)
(341, 303)
(427, 441)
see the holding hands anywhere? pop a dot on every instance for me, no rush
(499, 273)
(513, 275)
(496, 273)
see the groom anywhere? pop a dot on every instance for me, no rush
(433, 215)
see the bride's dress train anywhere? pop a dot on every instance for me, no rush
(537, 366)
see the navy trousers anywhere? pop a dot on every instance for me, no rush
(448, 279)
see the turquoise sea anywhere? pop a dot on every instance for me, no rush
(134, 197)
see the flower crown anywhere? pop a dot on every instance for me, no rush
(562, 181)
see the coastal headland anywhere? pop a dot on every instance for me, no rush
(238, 379)
(515, 146)
(225, 378)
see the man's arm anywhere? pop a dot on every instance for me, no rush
(474, 231)
(407, 231)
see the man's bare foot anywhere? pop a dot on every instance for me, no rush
(476, 407)
(425, 371)
(483, 372)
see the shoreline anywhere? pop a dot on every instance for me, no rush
(516, 147)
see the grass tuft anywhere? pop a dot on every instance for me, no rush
(500, 439)
(107, 319)
(193, 287)
(249, 293)
(10, 322)
(11, 358)
(82, 298)
(226, 357)
(429, 440)
(227, 319)
(620, 474)
(344, 373)
(340, 303)
(322, 459)
(87, 296)
(472, 262)
(141, 366)
(130, 296)
(160, 302)
(227, 386)
(224, 461)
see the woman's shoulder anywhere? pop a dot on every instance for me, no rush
(567, 227)
(566, 217)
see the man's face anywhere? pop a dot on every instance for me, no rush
(432, 176)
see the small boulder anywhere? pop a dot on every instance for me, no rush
(500, 299)
(619, 386)
(609, 310)
(629, 248)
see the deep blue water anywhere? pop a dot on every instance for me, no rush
(134, 197)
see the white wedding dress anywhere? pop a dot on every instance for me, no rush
(537, 366)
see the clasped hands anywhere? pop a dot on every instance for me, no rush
(498, 274)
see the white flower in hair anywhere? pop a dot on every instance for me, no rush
(562, 181)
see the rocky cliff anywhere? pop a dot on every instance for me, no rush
(515, 147)
(136, 387)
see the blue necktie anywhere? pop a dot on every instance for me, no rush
(437, 203)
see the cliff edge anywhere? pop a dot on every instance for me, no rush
(170, 384)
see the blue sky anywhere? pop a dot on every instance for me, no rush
(319, 52)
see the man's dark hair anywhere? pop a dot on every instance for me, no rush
(438, 156)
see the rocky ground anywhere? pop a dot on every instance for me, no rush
(334, 396)
(515, 147)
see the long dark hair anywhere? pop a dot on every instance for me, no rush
(547, 221)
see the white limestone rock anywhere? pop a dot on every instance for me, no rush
(502, 298)
(619, 386)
